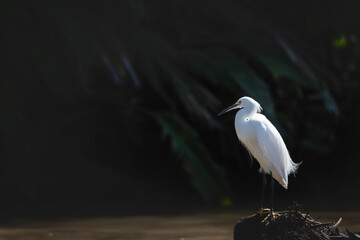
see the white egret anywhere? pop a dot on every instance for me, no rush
(264, 143)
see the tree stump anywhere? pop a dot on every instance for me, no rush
(290, 224)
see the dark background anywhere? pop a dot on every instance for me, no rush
(115, 103)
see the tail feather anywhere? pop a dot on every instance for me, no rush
(293, 167)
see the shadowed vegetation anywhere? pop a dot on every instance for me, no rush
(91, 90)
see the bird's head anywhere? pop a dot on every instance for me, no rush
(243, 103)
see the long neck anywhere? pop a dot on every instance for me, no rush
(246, 112)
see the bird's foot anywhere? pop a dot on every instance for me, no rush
(262, 211)
(270, 215)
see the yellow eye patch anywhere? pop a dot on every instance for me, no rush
(238, 102)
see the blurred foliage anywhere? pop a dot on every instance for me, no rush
(175, 62)
(340, 42)
(205, 175)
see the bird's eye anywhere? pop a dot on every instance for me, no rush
(238, 102)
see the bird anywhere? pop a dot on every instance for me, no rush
(264, 142)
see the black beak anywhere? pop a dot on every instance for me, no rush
(227, 109)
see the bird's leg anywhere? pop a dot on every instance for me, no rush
(272, 193)
(262, 190)
(263, 210)
(262, 194)
(271, 212)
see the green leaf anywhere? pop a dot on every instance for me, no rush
(205, 175)
(246, 79)
(252, 84)
(340, 42)
(329, 101)
(280, 69)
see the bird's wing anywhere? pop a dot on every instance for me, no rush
(248, 150)
(272, 149)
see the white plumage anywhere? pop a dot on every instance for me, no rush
(262, 140)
